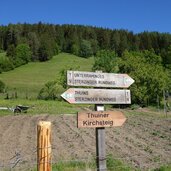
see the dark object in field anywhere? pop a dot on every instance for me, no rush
(21, 108)
(17, 108)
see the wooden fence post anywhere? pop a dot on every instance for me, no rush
(44, 151)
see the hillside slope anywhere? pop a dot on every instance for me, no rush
(31, 77)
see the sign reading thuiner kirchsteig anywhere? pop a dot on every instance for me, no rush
(95, 119)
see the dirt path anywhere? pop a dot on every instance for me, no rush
(143, 141)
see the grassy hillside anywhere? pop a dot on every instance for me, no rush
(28, 79)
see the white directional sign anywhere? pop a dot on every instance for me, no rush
(95, 79)
(97, 96)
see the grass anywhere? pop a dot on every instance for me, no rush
(28, 79)
(82, 165)
(41, 107)
(73, 166)
(164, 168)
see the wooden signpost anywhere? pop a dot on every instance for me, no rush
(94, 119)
(97, 96)
(98, 79)
(99, 118)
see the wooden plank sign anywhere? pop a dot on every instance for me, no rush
(95, 79)
(95, 119)
(97, 96)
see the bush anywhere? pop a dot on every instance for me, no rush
(2, 87)
(23, 55)
(85, 49)
(5, 64)
(149, 75)
(106, 61)
(50, 91)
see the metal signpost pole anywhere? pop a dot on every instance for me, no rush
(100, 144)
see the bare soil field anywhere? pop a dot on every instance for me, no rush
(144, 141)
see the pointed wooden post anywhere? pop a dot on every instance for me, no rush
(44, 152)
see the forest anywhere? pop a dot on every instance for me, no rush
(45, 40)
(145, 56)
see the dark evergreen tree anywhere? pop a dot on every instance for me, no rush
(34, 45)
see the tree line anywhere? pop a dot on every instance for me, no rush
(42, 41)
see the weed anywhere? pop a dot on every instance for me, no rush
(148, 149)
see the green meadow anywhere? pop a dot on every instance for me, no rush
(28, 79)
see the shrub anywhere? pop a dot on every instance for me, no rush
(85, 49)
(2, 87)
(106, 61)
(23, 55)
(5, 64)
(50, 91)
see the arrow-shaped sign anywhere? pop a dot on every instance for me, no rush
(96, 79)
(97, 96)
(95, 119)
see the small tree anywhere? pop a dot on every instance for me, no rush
(5, 64)
(106, 61)
(49, 91)
(75, 49)
(85, 49)
(22, 55)
(2, 87)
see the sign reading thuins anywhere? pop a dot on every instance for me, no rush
(97, 96)
(95, 119)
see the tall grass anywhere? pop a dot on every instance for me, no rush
(90, 165)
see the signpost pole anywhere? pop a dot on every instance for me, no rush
(99, 97)
(100, 144)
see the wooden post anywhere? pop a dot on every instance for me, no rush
(44, 152)
(100, 144)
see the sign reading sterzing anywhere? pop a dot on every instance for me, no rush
(95, 79)
(97, 96)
